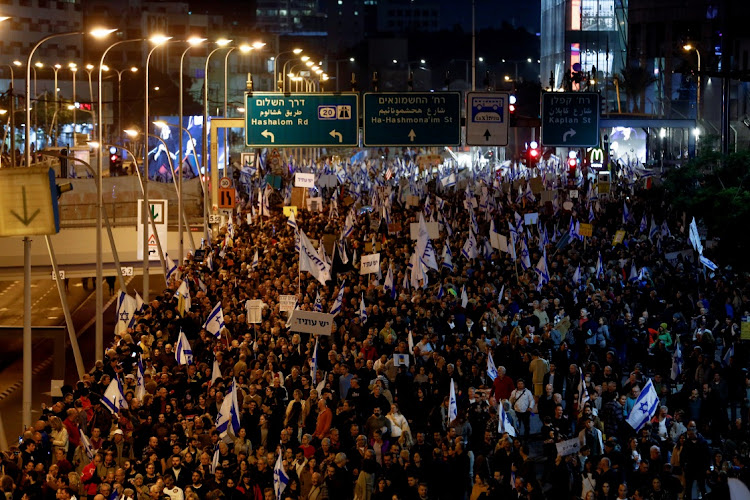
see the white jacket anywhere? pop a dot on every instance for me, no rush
(522, 401)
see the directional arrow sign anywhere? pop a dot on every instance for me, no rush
(570, 119)
(487, 119)
(412, 119)
(28, 202)
(289, 120)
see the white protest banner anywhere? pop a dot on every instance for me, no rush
(287, 302)
(499, 242)
(369, 263)
(673, 257)
(401, 360)
(433, 230)
(315, 204)
(530, 219)
(254, 309)
(568, 447)
(304, 180)
(311, 322)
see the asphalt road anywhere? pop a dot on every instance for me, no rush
(47, 311)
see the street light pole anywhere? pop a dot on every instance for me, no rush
(276, 59)
(473, 46)
(204, 147)
(12, 119)
(158, 41)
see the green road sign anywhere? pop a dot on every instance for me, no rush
(570, 119)
(412, 119)
(280, 120)
(28, 202)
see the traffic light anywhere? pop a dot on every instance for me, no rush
(572, 163)
(512, 109)
(532, 154)
(114, 164)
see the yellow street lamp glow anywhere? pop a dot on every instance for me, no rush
(93, 144)
(70, 65)
(17, 63)
(131, 132)
(4, 18)
(223, 42)
(58, 66)
(240, 109)
(297, 52)
(687, 46)
(305, 58)
(259, 45)
(324, 77)
(89, 67)
(245, 48)
(290, 75)
(159, 39)
(3, 111)
(74, 68)
(71, 107)
(309, 64)
(101, 32)
(161, 124)
(39, 65)
(315, 67)
(507, 78)
(318, 71)
(351, 59)
(134, 69)
(195, 40)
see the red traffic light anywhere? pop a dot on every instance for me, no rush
(534, 153)
(572, 162)
(113, 158)
(512, 108)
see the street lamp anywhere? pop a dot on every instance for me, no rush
(222, 43)
(27, 401)
(296, 52)
(119, 72)
(192, 42)
(157, 40)
(74, 68)
(688, 47)
(284, 73)
(11, 119)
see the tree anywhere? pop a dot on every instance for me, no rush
(716, 188)
(634, 81)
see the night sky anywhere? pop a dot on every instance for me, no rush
(490, 13)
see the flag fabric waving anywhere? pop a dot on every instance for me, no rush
(362, 310)
(183, 298)
(677, 362)
(452, 404)
(215, 321)
(280, 477)
(503, 422)
(339, 302)
(113, 397)
(171, 269)
(126, 307)
(183, 354)
(491, 368)
(644, 408)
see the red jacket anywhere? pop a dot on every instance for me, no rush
(502, 387)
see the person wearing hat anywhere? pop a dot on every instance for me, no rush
(120, 447)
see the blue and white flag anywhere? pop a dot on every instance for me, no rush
(425, 251)
(440, 292)
(184, 353)
(389, 284)
(469, 250)
(525, 260)
(645, 407)
(318, 304)
(215, 371)
(695, 238)
(583, 392)
(710, 265)
(113, 397)
(138, 302)
(210, 260)
(183, 298)
(310, 262)
(599, 266)
(228, 418)
(339, 302)
(464, 297)
(504, 424)
(362, 310)
(626, 215)
(447, 256)
(542, 269)
(665, 232)
(633, 273)
(215, 321)
(654, 230)
(230, 227)
(314, 364)
(348, 225)
(577, 275)
(292, 221)
(86, 445)
(140, 379)
(677, 362)
(215, 459)
(501, 295)
(126, 307)
(644, 224)
(452, 404)
(280, 477)
(254, 264)
(171, 268)
(491, 368)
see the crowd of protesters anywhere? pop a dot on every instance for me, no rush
(372, 428)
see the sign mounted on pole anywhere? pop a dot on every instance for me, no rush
(28, 202)
(284, 120)
(226, 198)
(487, 119)
(570, 119)
(412, 119)
(159, 211)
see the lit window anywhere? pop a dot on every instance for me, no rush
(575, 15)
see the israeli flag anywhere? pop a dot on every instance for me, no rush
(424, 246)
(86, 444)
(183, 298)
(626, 215)
(338, 303)
(452, 404)
(447, 256)
(644, 224)
(633, 273)
(501, 295)
(140, 390)
(362, 310)
(292, 221)
(525, 260)
(654, 229)
(504, 424)
(469, 250)
(228, 418)
(710, 265)
(318, 306)
(491, 368)
(440, 292)
(577, 276)
(390, 283)
(113, 397)
(171, 268)
(280, 477)
(138, 302)
(215, 321)
(230, 227)
(644, 408)
(215, 371)
(255, 262)
(314, 363)
(599, 266)
(677, 362)
(210, 261)
(464, 297)
(183, 354)
(542, 270)
(126, 307)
